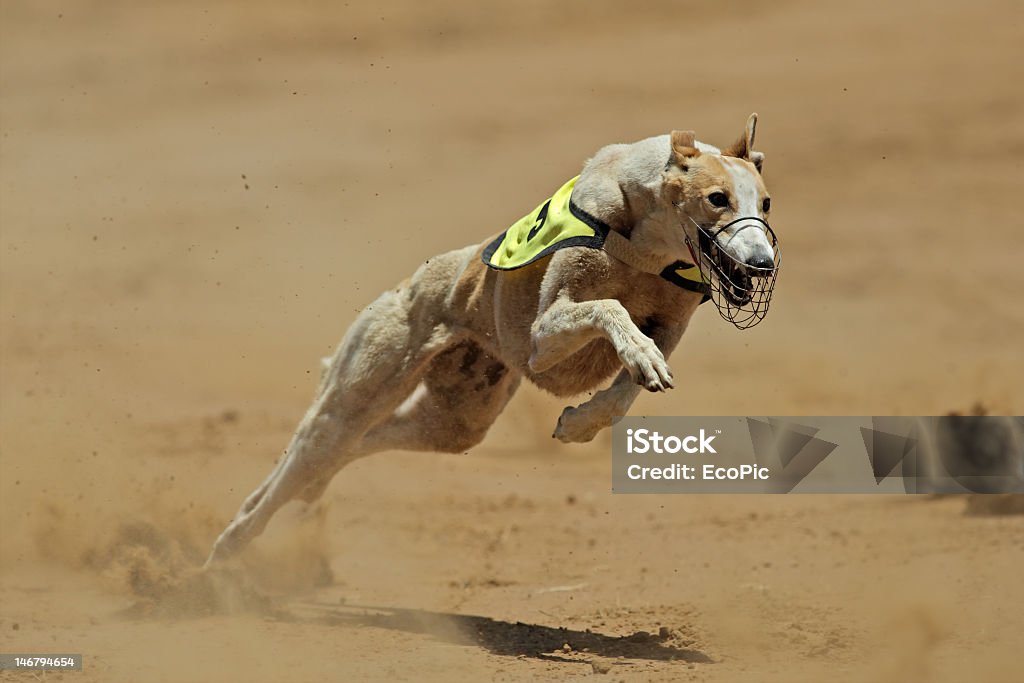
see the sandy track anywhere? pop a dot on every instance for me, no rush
(196, 199)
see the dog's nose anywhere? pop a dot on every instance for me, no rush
(762, 261)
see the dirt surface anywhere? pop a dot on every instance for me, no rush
(195, 200)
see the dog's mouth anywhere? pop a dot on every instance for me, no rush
(732, 276)
(741, 292)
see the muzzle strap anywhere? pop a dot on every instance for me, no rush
(681, 274)
(687, 276)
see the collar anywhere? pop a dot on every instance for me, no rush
(680, 273)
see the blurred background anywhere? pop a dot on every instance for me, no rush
(196, 198)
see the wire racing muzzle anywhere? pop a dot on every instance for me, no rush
(741, 292)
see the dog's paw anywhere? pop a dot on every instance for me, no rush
(577, 425)
(647, 365)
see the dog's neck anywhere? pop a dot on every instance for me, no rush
(621, 183)
(623, 186)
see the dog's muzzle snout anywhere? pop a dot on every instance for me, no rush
(741, 288)
(761, 265)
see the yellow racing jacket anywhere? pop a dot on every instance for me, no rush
(558, 223)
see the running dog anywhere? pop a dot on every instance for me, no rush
(600, 279)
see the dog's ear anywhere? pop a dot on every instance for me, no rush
(684, 146)
(757, 158)
(743, 148)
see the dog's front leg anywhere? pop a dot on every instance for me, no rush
(567, 326)
(582, 423)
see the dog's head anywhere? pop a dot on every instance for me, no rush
(721, 206)
(723, 193)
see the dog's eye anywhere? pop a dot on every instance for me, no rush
(718, 199)
(766, 205)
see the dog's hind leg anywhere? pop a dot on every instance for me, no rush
(462, 393)
(379, 362)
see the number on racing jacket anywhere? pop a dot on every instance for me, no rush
(541, 219)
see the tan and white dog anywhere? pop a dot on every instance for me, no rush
(431, 364)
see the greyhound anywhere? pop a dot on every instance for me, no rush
(601, 278)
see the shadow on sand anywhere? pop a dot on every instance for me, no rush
(503, 637)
